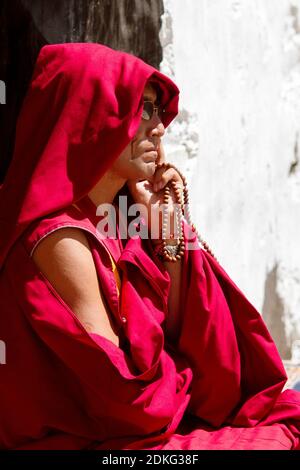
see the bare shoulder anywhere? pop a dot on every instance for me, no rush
(61, 253)
(66, 243)
(65, 258)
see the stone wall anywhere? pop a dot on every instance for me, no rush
(237, 63)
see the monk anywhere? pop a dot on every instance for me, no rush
(111, 344)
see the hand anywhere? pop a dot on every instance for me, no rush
(151, 193)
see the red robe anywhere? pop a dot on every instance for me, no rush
(63, 388)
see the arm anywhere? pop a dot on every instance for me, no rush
(64, 257)
(173, 320)
(150, 195)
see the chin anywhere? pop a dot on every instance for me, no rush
(150, 170)
(141, 170)
(146, 170)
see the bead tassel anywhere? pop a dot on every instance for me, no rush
(179, 215)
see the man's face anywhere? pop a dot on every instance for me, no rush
(137, 161)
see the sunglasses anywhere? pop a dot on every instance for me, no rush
(149, 109)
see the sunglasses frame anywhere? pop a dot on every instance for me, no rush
(158, 110)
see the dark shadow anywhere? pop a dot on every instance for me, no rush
(26, 25)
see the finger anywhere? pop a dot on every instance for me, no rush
(160, 159)
(158, 174)
(161, 154)
(163, 177)
(168, 171)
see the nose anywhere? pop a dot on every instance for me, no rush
(156, 127)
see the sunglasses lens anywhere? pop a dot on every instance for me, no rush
(147, 110)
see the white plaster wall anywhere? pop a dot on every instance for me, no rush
(237, 138)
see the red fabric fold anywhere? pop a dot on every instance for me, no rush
(82, 108)
(219, 387)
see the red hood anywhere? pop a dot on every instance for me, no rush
(82, 108)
